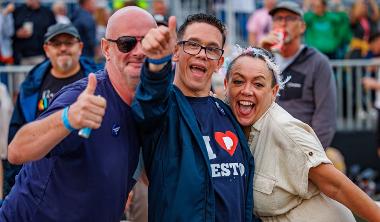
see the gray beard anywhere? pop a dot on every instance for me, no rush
(65, 66)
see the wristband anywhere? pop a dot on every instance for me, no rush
(160, 61)
(65, 119)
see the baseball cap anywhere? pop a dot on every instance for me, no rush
(287, 5)
(60, 28)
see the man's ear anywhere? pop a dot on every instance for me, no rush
(81, 47)
(46, 49)
(105, 48)
(175, 57)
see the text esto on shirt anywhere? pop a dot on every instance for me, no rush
(226, 158)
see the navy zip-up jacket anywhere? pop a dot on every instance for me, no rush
(175, 155)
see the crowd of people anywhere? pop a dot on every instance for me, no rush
(338, 29)
(117, 119)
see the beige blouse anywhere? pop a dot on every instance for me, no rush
(285, 149)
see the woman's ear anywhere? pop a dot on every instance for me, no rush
(275, 90)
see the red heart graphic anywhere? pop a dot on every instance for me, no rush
(228, 141)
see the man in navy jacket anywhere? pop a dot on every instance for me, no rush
(195, 154)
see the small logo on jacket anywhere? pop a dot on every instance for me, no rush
(293, 85)
(115, 129)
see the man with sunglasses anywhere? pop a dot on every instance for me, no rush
(71, 178)
(63, 48)
(310, 94)
(196, 156)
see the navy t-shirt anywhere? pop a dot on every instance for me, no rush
(80, 179)
(226, 158)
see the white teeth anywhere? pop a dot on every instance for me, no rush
(245, 103)
(198, 67)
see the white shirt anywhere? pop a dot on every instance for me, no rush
(285, 149)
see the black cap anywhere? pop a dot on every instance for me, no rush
(289, 6)
(60, 28)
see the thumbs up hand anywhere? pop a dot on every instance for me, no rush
(160, 42)
(89, 109)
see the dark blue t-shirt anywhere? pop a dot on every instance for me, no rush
(80, 179)
(226, 158)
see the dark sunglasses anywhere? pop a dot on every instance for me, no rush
(126, 44)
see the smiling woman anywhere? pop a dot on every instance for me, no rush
(294, 180)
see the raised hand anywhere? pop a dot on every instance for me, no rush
(268, 41)
(89, 109)
(160, 42)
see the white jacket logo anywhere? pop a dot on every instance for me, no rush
(293, 85)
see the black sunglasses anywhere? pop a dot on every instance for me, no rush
(126, 44)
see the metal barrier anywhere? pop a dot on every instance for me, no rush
(11, 73)
(355, 104)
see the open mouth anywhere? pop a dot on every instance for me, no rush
(198, 69)
(245, 107)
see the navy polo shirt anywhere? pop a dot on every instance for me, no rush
(80, 179)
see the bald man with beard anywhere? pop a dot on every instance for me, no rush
(66, 177)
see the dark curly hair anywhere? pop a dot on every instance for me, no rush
(202, 18)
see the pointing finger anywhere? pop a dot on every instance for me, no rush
(172, 25)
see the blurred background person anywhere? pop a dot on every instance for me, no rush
(63, 48)
(84, 21)
(260, 23)
(6, 33)
(310, 93)
(101, 15)
(327, 31)
(31, 20)
(160, 10)
(364, 17)
(59, 9)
